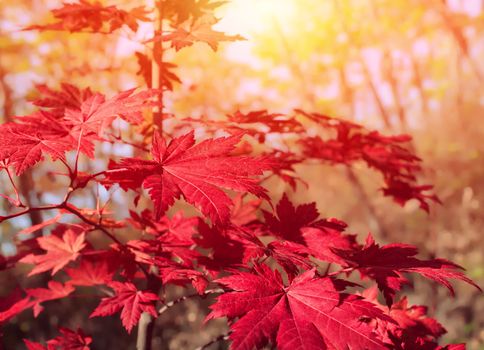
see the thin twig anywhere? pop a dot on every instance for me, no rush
(172, 303)
(214, 340)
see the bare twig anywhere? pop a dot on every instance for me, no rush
(214, 340)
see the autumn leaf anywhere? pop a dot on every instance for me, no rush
(389, 155)
(310, 313)
(90, 273)
(200, 31)
(97, 112)
(179, 11)
(59, 251)
(24, 145)
(68, 97)
(130, 301)
(55, 290)
(386, 264)
(301, 224)
(93, 16)
(198, 172)
(67, 340)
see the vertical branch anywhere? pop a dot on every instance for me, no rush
(459, 37)
(393, 80)
(347, 91)
(145, 332)
(390, 74)
(146, 324)
(417, 77)
(374, 91)
(7, 96)
(157, 67)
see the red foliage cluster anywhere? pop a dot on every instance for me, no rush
(281, 276)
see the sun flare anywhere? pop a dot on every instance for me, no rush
(249, 17)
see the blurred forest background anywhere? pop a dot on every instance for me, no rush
(402, 66)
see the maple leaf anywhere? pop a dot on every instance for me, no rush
(63, 128)
(386, 154)
(95, 113)
(301, 225)
(386, 264)
(310, 313)
(57, 102)
(130, 301)
(68, 340)
(76, 17)
(403, 191)
(179, 11)
(40, 226)
(291, 219)
(34, 346)
(200, 31)
(25, 145)
(413, 328)
(55, 290)
(90, 273)
(284, 167)
(59, 251)
(198, 172)
(263, 123)
(244, 213)
(13, 304)
(182, 276)
(172, 236)
(291, 256)
(230, 247)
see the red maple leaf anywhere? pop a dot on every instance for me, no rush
(95, 113)
(34, 346)
(260, 123)
(200, 31)
(57, 102)
(310, 313)
(198, 172)
(182, 276)
(244, 213)
(230, 247)
(68, 340)
(386, 264)
(180, 11)
(90, 272)
(413, 328)
(25, 144)
(76, 17)
(302, 225)
(403, 191)
(291, 219)
(70, 127)
(59, 251)
(55, 290)
(13, 304)
(387, 154)
(131, 301)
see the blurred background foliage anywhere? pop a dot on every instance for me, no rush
(413, 66)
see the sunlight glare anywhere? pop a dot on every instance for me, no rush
(250, 17)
